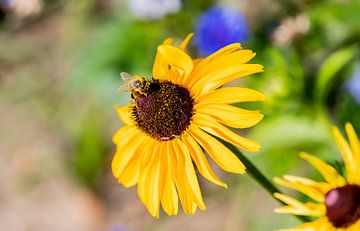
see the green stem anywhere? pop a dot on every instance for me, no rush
(258, 176)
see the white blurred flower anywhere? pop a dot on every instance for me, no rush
(153, 9)
(290, 29)
(25, 8)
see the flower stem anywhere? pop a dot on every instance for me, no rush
(258, 176)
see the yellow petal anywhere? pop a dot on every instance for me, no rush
(125, 113)
(149, 155)
(217, 79)
(350, 162)
(222, 62)
(229, 115)
(176, 57)
(200, 160)
(184, 192)
(217, 151)
(127, 145)
(129, 169)
(189, 177)
(169, 197)
(209, 125)
(355, 148)
(160, 68)
(307, 189)
(327, 171)
(319, 225)
(152, 187)
(186, 41)
(231, 95)
(202, 66)
(296, 207)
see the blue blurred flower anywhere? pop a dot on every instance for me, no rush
(153, 9)
(218, 27)
(353, 84)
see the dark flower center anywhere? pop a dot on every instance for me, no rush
(164, 112)
(343, 205)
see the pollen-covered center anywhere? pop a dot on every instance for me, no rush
(164, 112)
(343, 205)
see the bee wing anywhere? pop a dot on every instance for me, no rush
(126, 76)
(124, 87)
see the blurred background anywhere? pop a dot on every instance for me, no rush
(59, 73)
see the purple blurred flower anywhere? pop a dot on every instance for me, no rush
(4, 2)
(218, 27)
(353, 84)
(118, 228)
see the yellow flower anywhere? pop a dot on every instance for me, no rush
(337, 200)
(175, 116)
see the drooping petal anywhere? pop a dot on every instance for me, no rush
(200, 160)
(125, 113)
(355, 148)
(327, 171)
(189, 206)
(229, 95)
(161, 68)
(229, 115)
(217, 151)
(149, 156)
(152, 186)
(208, 124)
(298, 208)
(177, 58)
(308, 189)
(169, 196)
(189, 175)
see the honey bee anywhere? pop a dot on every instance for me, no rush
(136, 85)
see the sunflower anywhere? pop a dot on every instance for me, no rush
(337, 199)
(174, 117)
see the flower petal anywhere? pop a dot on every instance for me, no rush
(206, 123)
(200, 160)
(296, 207)
(321, 224)
(189, 206)
(160, 68)
(125, 113)
(231, 95)
(169, 197)
(228, 75)
(350, 162)
(127, 145)
(232, 116)
(190, 175)
(355, 148)
(327, 171)
(307, 189)
(176, 57)
(148, 184)
(217, 151)
(186, 41)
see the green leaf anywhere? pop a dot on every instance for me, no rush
(329, 70)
